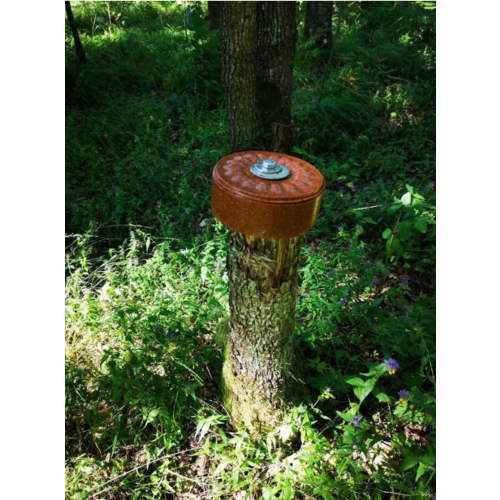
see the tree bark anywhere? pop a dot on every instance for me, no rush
(261, 374)
(276, 38)
(80, 53)
(318, 25)
(214, 14)
(238, 73)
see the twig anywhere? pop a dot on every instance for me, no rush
(398, 79)
(331, 52)
(366, 208)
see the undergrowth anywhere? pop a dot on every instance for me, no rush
(146, 287)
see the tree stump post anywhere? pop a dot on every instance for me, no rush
(268, 200)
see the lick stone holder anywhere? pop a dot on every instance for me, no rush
(268, 201)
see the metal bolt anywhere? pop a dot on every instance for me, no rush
(269, 169)
(269, 165)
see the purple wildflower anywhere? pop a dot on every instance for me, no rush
(330, 274)
(342, 190)
(356, 421)
(184, 252)
(218, 263)
(157, 328)
(404, 283)
(392, 365)
(374, 282)
(342, 302)
(432, 496)
(413, 487)
(340, 228)
(404, 397)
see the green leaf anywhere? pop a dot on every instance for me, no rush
(396, 248)
(369, 220)
(383, 397)
(421, 225)
(356, 381)
(406, 199)
(288, 491)
(404, 230)
(410, 462)
(423, 362)
(362, 392)
(80, 495)
(346, 416)
(387, 232)
(420, 471)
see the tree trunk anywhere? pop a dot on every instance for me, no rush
(318, 25)
(214, 15)
(238, 73)
(80, 53)
(261, 374)
(276, 37)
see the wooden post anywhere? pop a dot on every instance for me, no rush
(261, 374)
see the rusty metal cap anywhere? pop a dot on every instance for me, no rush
(271, 208)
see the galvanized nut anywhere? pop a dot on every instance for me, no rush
(269, 169)
(269, 165)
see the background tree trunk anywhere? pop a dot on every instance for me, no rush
(276, 38)
(318, 24)
(260, 374)
(237, 34)
(214, 15)
(80, 53)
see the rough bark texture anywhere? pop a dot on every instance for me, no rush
(214, 15)
(238, 73)
(261, 374)
(276, 37)
(80, 53)
(318, 24)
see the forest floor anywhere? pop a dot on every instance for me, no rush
(146, 281)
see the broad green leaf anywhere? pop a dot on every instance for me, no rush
(406, 199)
(362, 392)
(358, 382)
(288, 491)
(410, 462)
(80, 495)
(421, 470)
(369, 220)
(396, 247)
(387, 232)
(421, 225)
(382, 396)
(346, 416)
(404, 230)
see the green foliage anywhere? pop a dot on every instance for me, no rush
(146, 287)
